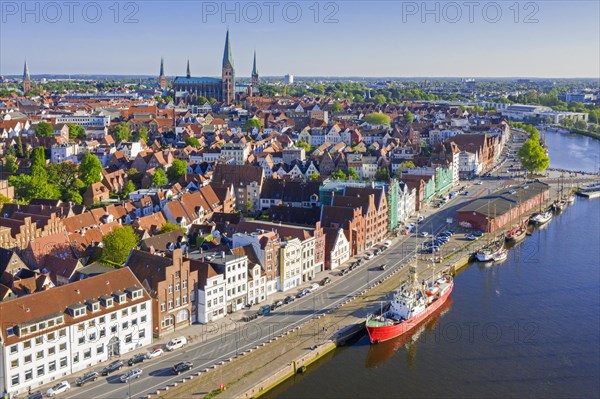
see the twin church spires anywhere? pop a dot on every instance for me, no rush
(207, 87)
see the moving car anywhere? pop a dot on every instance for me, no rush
(114, 366)
(61, 387)
(382, 267)
(131, 374)
(155, 352)
(423, 234)
(87, 377)
(325, 281)
(176, 343)
(139, 358)
(182, 367)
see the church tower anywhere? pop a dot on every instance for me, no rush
(162, 79)
(254, 72)
(26, 79)
(188, 74)
(227, 73)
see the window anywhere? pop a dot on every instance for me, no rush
(14, 380)
(81, 340)
(177, 274)
(13, 349)
(63, 362)
(27, 359)
(184, 285)
(39, 355)
(124, 325)
(62, 333)
(113, 329)
(10, 332)
(124, 312)
(170, 288)
(51, 337)
(177, 286)
(91, 323)
(143, 306)
(38, 340)
(170, 304)
(128, 339)
(177, 302)
(134, 309)
(163, 306)
(142, 333)
(40, 370)
(185, 299)
(52, 366)
(80, 327)
(87, 354)
(92, 337)
(113, 316)
(28, 374)
(14, 363)
(51, 350)
(134, 322)
(102, 319)
(62, 347)
(100, 349)
(143, 319)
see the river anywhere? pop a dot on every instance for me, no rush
(572, 151)
(529, 327)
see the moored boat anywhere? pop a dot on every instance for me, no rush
(559, 206)
(488, 252)
(541, 218)
(408, 308)
(517, 234)
(500, 256)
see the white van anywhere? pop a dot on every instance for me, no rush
(176, 343)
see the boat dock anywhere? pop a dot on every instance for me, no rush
(591, 191)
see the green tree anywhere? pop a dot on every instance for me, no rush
(339, 175)
(142, 134)
(44, 129)
(176, 170)
(118, 244)
(128, 189)
(305, 145)
(72, 196)
(192, 141)
(377, 118)
(10, 164)
(253, 123)
(168, 99)
(169, 227)
(134, 175)
(76, 131)
(582, 125)
(382, 174)
(90, 169)
(120, 132)
(4, 200)
(20, 148)
(336, 107)
(379, 99)
(159, 179)
(314, 176)
(352, 174)
(533, 156)
(409, 117)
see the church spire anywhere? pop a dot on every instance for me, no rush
(26, 79)
(188, 74)
(26, 72)
(254, 70)
(162, 67)
(227, 54)
(162, 79)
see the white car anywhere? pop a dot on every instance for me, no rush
(58, 388)
(369, 255)
(479, 183)
(131, 374)
(420, 218)
(155, 352)
(423, 234)
(314, 287)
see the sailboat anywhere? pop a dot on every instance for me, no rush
(561, 203)
(542, 217)
(518, 232)
(487, 253)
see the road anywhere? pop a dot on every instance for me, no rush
(218, 343)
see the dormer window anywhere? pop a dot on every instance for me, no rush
(107, 301)
(134, 292)
(120, 296)
(93, 305)
(77, 310)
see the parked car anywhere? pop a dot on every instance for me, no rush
(471, 237)
(176, 343)
(139, 358)
(314, 287)
(465, 193)
(477, 233)
(87, 377)
(131, 375)
(325, 281)
(61, 387)
(369, 255)
(387, 243)
(289, 299)
(345, 271)
(35, 395)
(276, 304)
(182, 367)
(264, 310)
(421, 218)
(155, 352)
(114, 366)
(423, 234)
(303, 293)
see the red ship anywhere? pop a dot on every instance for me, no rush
(409, 307)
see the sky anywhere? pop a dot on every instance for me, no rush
(304, 38)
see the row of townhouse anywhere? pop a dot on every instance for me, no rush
(48, 335)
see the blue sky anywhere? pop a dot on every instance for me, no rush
(345, 38)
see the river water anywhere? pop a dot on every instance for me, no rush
(573, 151)
(529, 327)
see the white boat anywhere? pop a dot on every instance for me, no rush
(541, 218)
(500, 256)
(487, 253)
